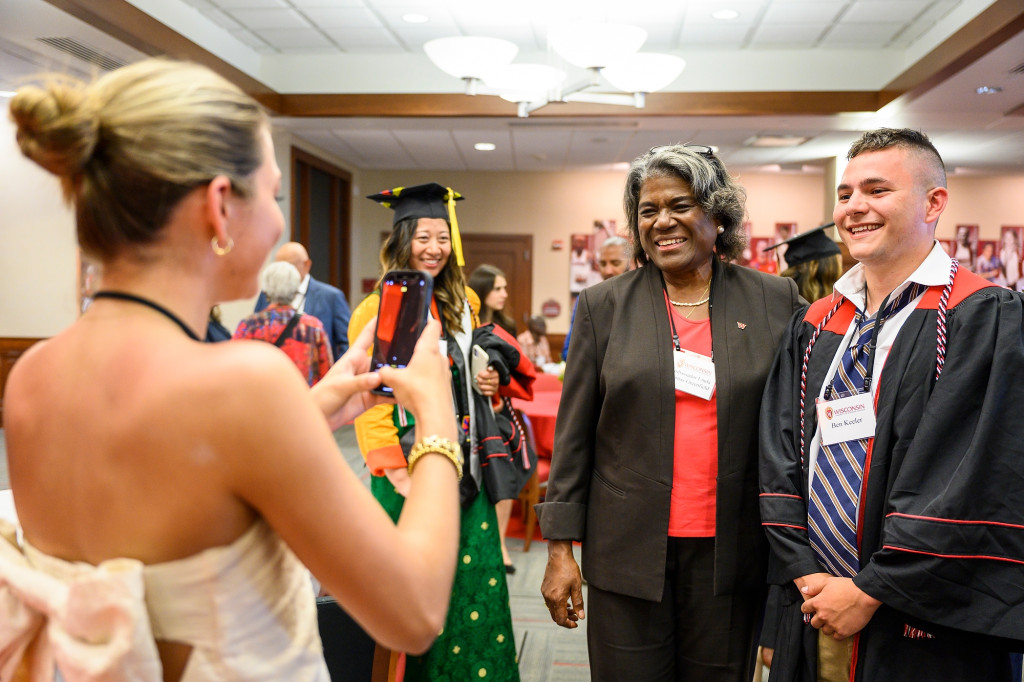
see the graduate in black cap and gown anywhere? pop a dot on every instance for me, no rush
(477, 641)
(813, 260)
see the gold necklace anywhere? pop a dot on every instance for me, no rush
(694, 304)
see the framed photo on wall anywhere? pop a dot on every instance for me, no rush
(1010, 240)
(966, 246)
(987, 263)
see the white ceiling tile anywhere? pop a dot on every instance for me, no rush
(362, 39)
(200, 5)
(288, 38)
(425, 147)
(521, 34)
(860, 35)
(801, 13)
(250, 4)
(378, 148)
(270, 18)
(413, 38)
(249, 38)
(342, 17)
(884, 11)
(797, 35)
(304, 4)
(661, 37)
(723, 35)
(221, 18)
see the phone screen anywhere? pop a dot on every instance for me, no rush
(404, 306)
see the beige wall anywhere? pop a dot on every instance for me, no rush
(988, 202)
(38, 253)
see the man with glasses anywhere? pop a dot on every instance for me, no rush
(892, 461)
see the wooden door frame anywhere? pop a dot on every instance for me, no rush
(340, 234)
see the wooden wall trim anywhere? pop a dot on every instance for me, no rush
(10, 350)
(658, 104)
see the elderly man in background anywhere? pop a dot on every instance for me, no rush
(323, 301)
(612, 259)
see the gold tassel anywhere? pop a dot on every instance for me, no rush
(456, 236)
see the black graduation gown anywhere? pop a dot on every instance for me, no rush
(941, 539)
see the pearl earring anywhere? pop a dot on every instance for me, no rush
(721, 230)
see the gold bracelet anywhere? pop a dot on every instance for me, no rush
(438, 446)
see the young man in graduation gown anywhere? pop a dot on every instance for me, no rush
(892, 448)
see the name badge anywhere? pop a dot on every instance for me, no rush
(844, 419)
(695, 374)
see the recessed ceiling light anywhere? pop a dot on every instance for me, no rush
(725, 14)
(484, 146)
(988, 90)
(776, 141)
(414, 18)
(7, 93)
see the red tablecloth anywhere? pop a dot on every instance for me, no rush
(542, 411)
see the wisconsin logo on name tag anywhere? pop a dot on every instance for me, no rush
(695, 374)
(844, 419)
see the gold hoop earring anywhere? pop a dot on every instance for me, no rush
(222, 250)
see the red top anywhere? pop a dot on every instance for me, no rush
(695, 451)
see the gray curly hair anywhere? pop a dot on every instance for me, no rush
(720, 197)
(280, 282)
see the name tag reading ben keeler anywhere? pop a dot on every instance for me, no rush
(695, 373)
(850, 418)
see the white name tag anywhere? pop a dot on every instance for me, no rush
(846, 419)
(695, 374)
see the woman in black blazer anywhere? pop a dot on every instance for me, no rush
(655, 457)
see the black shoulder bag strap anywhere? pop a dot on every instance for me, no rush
(287, 331)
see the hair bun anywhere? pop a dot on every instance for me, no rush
(56, 127)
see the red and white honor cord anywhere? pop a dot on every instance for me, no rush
(940, 346)
(940, 325)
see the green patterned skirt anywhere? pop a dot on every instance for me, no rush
(477, 641)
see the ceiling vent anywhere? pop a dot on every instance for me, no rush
(82, 51)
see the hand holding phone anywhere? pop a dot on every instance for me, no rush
(404, 306)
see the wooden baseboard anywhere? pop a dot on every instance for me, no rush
(10, 350)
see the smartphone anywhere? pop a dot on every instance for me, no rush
(404, 307)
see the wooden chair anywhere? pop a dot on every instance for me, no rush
(350, 653)
(535, 488)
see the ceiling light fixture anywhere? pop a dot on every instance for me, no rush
(415, 18)
(776, 141)
(601, 48)
(725, 14)
(989, 90)
(7, 93)
(485, 146)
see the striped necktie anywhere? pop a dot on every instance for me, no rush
(839, 468)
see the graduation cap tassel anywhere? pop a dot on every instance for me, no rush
(456, 236)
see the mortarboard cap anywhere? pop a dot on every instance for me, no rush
(808, 246)
(424, 201)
